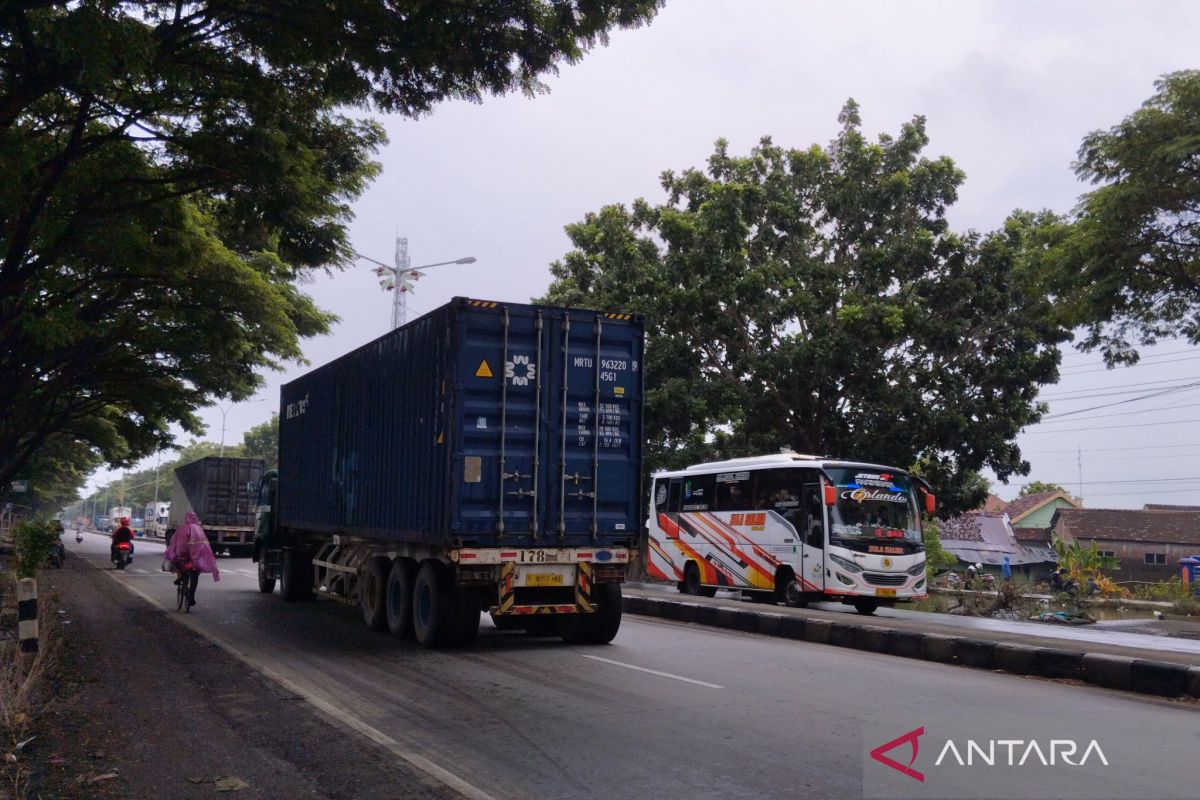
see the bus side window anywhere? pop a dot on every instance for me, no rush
(674, 493)
(813, 503)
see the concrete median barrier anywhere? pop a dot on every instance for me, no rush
(906, 644)
(1159, 678)
(938, 647)
(817, 631)
(1055, 663)
(976, 653)
(794, 628)
(1145, 676)
(1019, 659)
(1102, 669)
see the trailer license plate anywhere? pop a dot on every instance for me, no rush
(885, 592)
(542, 579)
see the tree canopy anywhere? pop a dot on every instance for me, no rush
(173, 170)
(817, 299)
(1039, 487)
(262, 441)
(1129, 260)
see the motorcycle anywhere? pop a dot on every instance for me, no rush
(122, 554)
(78, 536)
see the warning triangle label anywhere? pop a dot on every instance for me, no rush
(484, 370)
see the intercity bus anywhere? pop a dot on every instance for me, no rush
(791, 528)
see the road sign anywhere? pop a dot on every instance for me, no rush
(20, 486)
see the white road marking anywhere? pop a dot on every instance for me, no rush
(416, 760)
(655, 672)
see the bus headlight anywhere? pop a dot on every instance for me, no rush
(916, 569)
(844, 563)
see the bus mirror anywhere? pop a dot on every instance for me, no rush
(930, 503)
(830, 495)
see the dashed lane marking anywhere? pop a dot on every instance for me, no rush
(416, 760)
(655, 672)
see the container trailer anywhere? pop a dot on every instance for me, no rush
(483, 458)
(222, 492)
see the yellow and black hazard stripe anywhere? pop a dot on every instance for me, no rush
(482, 303)
(618, 316)
(583, 588)
(508, 589)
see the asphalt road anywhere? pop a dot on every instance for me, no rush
(674, 711)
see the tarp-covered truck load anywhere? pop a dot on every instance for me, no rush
(500, 442)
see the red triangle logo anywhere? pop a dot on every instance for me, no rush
(910, 738)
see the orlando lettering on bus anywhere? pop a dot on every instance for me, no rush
(791, 528)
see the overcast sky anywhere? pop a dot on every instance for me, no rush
(1009, 88)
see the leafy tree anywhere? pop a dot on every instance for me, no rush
(173, 170)
(55, 474)
(262, 441)
(1038, 487)
(1130, 260)
(817, 299)
(937, 558)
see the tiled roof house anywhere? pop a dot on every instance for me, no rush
(1148, 543)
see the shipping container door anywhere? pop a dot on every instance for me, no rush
(592, 460)
(501, 428)
(549, 449)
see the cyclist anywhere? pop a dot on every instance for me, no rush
(189, 554)
(122, 533)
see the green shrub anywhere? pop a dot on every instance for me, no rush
(1172, 590)
(32, 542)
(1188, 606)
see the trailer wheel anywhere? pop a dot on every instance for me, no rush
(398, 597)
(600, 627)
(296, 581)
(433, 605)
(372, 588)
(265, 585)
(466, 616)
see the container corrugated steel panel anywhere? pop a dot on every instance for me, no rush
(218, 490)
(474, 414)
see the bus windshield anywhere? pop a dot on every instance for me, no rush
(873, 504)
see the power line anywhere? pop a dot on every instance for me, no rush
(1070, 371)
(1113, 427)
(1119, 449)
(1111, 391)
(1192, 404)
(1130, 480)
(1072, 459)
(1155, 393)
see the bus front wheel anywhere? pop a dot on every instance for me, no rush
(866, 605)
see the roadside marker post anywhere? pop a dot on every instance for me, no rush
(27, 615)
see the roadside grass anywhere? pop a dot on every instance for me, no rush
(22, 677)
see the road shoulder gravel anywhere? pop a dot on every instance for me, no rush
(142, 707)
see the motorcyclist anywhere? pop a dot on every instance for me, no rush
(122, 533)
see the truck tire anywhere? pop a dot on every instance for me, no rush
(600, 627)
(466, 616)
(372, 593)
(398, 597)
(296, 581)
(433, 605)
(265, 585)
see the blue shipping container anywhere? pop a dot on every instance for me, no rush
(480, 424)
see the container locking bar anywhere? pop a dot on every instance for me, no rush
(503, 430)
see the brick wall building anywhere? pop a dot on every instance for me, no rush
(1148, 543)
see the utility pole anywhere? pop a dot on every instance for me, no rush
(1079, 462)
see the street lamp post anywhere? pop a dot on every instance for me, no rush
(225, 411)
(399, 278)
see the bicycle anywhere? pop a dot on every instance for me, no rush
(183, 588)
